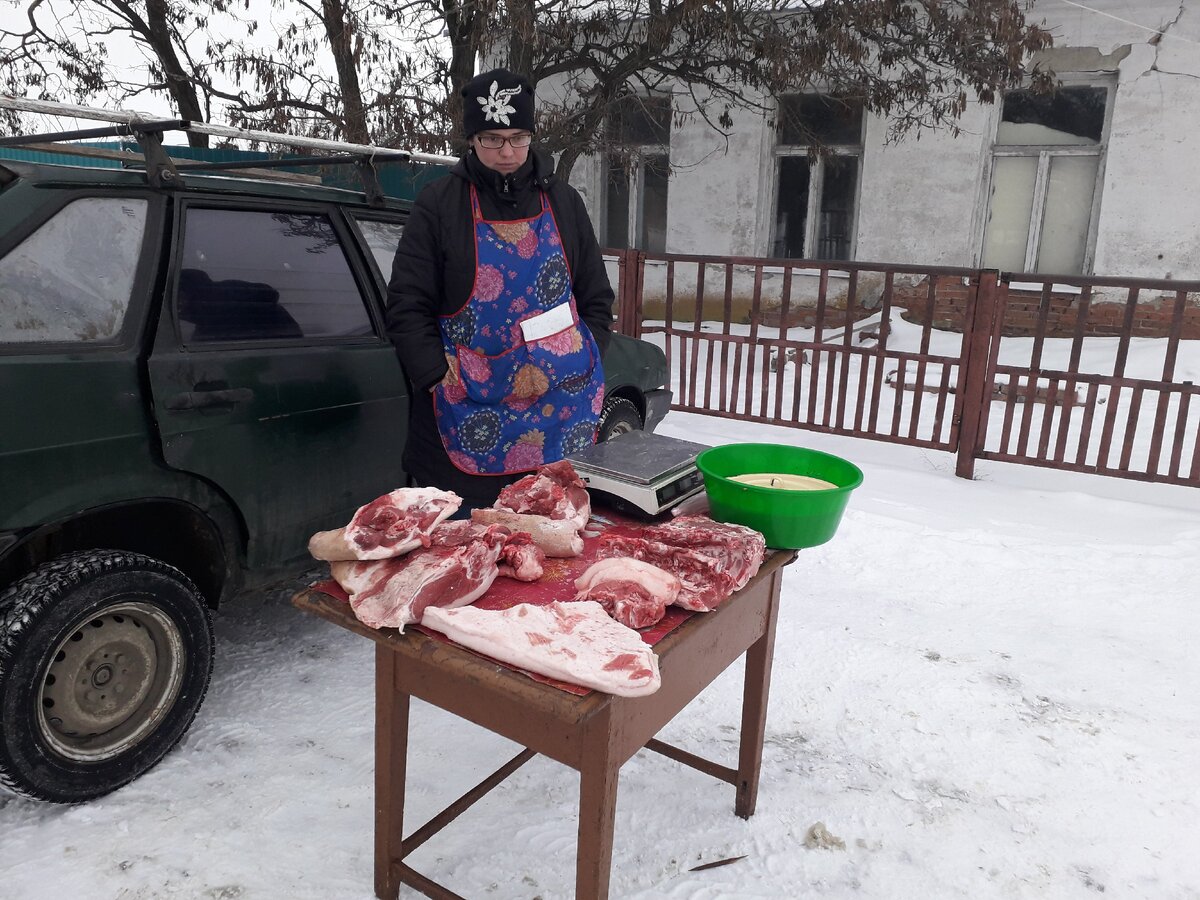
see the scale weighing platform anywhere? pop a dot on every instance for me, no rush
(640, 472)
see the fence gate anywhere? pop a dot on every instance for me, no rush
(1093, 375)
(1084, 374)
(822, 346)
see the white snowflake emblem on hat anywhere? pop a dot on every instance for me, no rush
(495, 105)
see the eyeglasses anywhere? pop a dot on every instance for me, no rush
(495, 142)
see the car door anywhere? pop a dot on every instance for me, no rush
(271, 374)
(76, 268)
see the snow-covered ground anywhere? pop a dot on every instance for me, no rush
(981, 689)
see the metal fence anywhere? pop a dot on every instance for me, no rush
(1085, 374)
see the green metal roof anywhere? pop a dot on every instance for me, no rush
(398, 179)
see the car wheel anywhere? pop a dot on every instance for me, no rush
(105, 658)
(618, 416)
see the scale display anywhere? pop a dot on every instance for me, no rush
(641, 472)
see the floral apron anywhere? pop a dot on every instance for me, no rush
(525, 385)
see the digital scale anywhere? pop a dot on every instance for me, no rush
(640, 472)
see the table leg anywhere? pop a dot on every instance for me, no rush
(391, 763)
(598, 778)
(754, 707)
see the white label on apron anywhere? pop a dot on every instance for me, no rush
(537, 327)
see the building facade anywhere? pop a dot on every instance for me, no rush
(1102, 178)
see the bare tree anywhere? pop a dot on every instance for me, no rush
(390, 71)
(64, 49)
(917, 61)
(354, 70)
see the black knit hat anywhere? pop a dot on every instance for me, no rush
(497, 99)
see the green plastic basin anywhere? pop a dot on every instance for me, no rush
(788, 519)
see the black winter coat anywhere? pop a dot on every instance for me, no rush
(434, 271)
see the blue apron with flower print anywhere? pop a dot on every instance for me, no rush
(525, 385)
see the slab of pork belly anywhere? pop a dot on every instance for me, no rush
(392, 593)
(574, 642)
(633, 592)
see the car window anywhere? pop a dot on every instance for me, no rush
(250, 275)
(71, 280)
(382, 238)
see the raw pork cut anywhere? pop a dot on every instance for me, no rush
(703, 583)
(463, 531)
(520, 557)
(633, 592)
(392, 593)
(737, 549)
(575, 642)
(388, 526)
(558, 538)
(555, 491)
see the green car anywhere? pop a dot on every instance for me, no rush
(194, 378)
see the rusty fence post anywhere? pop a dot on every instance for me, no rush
(631, 276)
(622, 289)
(977, 346)
(638, 281)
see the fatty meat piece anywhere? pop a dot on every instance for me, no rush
(573, 642)
(557, 538)
(392, 593)
(521, 558)
(388, 526)
(633, 592)
(463, 531)
(555, 491)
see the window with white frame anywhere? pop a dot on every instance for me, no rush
(1045, 174)
(636, 174)
(816, 193)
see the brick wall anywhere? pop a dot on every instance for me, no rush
(1105, 315)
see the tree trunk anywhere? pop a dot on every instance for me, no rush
(179, 82)
(566, 162)
(522, 36)
(341, 43)
(462, 25)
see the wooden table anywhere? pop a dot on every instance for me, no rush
(594, 734)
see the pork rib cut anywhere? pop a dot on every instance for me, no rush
(703, 583)
(392, 593)
(633, 592)
(737, 549)
(388, 526)
(574, 642)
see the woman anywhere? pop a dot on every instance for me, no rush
(499, 307)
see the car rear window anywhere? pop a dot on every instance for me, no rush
(252, 275)
(71, 279)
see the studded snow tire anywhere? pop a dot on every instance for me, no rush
(105, 658)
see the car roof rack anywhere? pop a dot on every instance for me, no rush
(162, 170)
